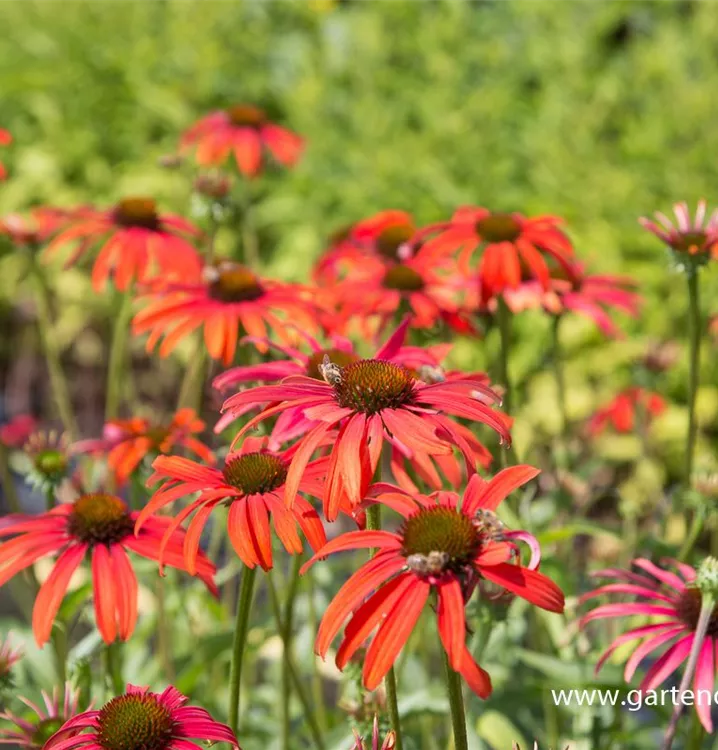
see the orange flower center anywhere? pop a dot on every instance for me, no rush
(498, 228)
(403, 279)
(245, 115)
(99, 518)
(689, 609)
(371, 385)
(392, 238)
(232, 282)
(255, 473)
(686, 242)
(336, 357)
(135, 722)
(438, 539)
(137, 212)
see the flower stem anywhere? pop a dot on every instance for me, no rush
(317, 691)
(250, 239)
(503, 317)
(292, 671)
(559, 373)
(164, 632)
(192, 388)
(113, 665)
(456, 703)
(694, 337)
(244, 606)
(704, 619)
(48, 340)
(116, 367)
(8, 482)
(286, 633)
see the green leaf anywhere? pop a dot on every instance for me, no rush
(499, 731)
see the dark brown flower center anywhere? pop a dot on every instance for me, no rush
(135, 722)
(52, 464)
(684, 241)
(403, 279)
(99, 519)
(689, 609)
(255, 473)
(137, 212)
(440, 538)
(392, 238)
(246, 115)
(498, 228)
(371, 385)
(232, 282)
(336, 357)
(45, 729)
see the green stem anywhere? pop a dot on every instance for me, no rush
(241, 628)
(51, 350)
(286, 633)
(559, 373)
(113, 665)
(704, 620)
(164, 633)
(60, 649)
(693, 533)
(503, 316)
(293, 672)
(7, 482)
(192, 388)
(456, 704)
(118, 358)
(694, 337)
(317, 689)
(250, 239)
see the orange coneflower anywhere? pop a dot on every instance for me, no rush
(252, 483)
(35, 228)
(697, 238)
(369, 401)
(101, 525)
(126, 442)
(621, 412)
(446, 545)
(5, 140)
(243, 131)
(225, 298)
(137, 243)
(509, 242)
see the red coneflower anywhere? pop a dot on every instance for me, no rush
(509, 242)
(673, 603)
(5, 140)
(371, 400)
(697, 238)
(142, 719)
(446, 545)
(101, 525)
(243, 131)
(137, 243)
(620, 413)
(15, 433)
(252, 483)
(126, 442)
(32, 734)
(35, 228)
(222, 299)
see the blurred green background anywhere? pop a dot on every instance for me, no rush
(598, 112)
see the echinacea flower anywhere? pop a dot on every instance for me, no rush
(697, 238)
(9, 655)
(99, 526)
(244, 132)
(32, 733)
(126, 442)
(15, 433)
(252, 484)
(446, 545)
(142, 719)
(672, 602)
(509, 244)
(5, 140)
(226, 299)
(370, 401)
(137, 243)
(389, 742)
(35, 228)
(48, 452)
(621, 412)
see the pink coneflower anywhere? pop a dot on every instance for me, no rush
(126, 442)
(252, 484)
(142, 719)
(621, 412)
(226, 299)
(697, 238)
(14, 434)
(242, 131)
(445, 546)
(32, 734)
(136, 243)
(370, 401)
(98, 526)
(673, 603)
